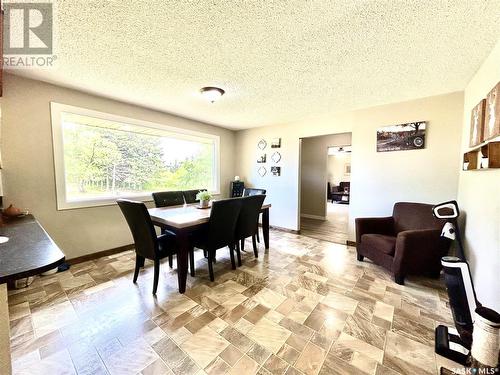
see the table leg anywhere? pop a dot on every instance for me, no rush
(182, 259)
(265, 227)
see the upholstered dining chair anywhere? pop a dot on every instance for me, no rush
(147, 244)
(219, 233)
(248, 222)
(253, 191)
(249, 192)
(168, 198)
(190, 195)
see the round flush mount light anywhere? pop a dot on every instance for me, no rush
(212, 93)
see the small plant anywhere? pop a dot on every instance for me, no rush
(203, 196)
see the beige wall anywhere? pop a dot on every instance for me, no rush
(28, 167)
(336, 168)
(314, 172)
(378, 179)
(479, 196)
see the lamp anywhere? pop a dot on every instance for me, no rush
(212, 93)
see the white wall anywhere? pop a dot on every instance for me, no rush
(479, 196)
(314, 172)
(378, 180)
(28, 166)
(336, 168)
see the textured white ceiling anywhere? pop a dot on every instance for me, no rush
(279, 61)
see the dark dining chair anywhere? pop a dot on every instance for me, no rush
(190, 195)
(218, 233)
(248, 222)
(168, 198)
(147, 244)
(247, 192)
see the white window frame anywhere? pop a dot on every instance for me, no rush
(63, 203)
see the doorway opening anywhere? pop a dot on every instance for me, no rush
(325, 186)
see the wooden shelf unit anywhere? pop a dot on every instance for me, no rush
(476, 158)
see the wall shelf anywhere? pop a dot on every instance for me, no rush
(484, 157)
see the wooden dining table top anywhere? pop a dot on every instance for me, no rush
(183, 216)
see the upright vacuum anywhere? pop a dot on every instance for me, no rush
(455, 343)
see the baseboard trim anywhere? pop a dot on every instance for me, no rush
(350, 243)
(99, 254)
(284, 229)
(307, 216)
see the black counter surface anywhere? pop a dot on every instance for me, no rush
(29, 251)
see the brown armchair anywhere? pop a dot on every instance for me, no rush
(408, 242)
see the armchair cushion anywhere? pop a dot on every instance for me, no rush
(418, 250)
(374, 225)
(381, 242)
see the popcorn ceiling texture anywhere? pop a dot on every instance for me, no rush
(279, 61)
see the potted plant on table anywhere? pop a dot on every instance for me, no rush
(204, 198)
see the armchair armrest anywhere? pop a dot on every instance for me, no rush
(419, 251)
(375, 225)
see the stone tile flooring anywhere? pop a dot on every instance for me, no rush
(305, 307)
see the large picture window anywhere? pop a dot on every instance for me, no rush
(100, 157)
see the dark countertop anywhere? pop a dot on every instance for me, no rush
(29, 251)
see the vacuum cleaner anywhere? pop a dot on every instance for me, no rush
(455, 342)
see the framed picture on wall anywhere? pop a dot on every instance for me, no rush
(477, 124)
(492, 115)
(347, 169)
(409, 136)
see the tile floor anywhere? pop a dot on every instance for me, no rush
(305, 307)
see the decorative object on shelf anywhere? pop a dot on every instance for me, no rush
(262, 144)
(409, 136)
(262, 158)
(262, 171)
(492, 116)
(204, 198)
(485, 157)
(12, 211)
(276, 157)
(477, 124)
(276, 143)
(276, 171)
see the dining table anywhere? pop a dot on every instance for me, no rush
(184, 220)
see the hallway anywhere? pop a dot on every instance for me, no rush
(333, 229)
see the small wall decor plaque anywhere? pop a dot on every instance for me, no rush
(262, 144)
(262, 171)
(276, 157)
(492, 116)
(276, 171)
(262, 158)
(409, 136)
(477, 124)
(276, 143)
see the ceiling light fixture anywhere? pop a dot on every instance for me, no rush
(212, 93)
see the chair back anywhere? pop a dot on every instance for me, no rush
(168, 198)
(190, 195)
(252, 191)
(248, 220)
(222, 223)
(141, 226)
(408, 216)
